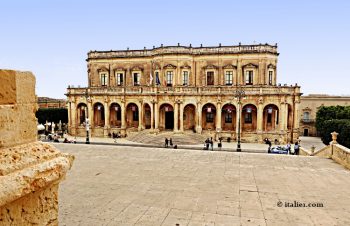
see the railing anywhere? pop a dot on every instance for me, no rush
(185, 50)
(249, 90)
(307, 120)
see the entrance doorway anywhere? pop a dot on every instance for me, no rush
(306, 132)
(169, 120)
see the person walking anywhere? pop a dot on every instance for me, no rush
(296, 148)
(166, 142)
(288, 148)
(171, 142)
(211, 144)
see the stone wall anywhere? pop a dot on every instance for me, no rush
(30, 171)
(341, 155)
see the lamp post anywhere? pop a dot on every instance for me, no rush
(87, 124)
(238, 95)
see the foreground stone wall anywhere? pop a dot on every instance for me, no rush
(30, 171)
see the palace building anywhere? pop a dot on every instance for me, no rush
(185, 88)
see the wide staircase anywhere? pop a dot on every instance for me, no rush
(186, 138)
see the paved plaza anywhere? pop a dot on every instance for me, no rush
(110, 185)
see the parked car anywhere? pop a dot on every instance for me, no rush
(278, 150)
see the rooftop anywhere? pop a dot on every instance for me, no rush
(189, 50)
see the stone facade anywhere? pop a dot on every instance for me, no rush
(30, 171)
(309, 106)
(46, 102)
(183, 88)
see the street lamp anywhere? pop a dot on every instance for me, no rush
(87, 124)
(239, 94)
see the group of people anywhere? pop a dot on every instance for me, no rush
(209, 143)
(169, 142)
(288, 147)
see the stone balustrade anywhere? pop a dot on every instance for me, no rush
(266, 48)
(183, 90)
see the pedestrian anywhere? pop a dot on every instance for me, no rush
(171, 142)
(296, 148)
(288, 147)
(220, 145)
(207, 144)
(211, 144)
(166, 142)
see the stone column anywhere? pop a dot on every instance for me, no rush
(238, 116)
(156, 117)
(123, 114)
(218, 117)
(239, 72)
(73, 118)
(140, 108)
(152, 115)
(296, 114)
(181, 117)
(199, 121)
(282, 118)
(107, 125)
(30, 170)
(176, 117)
(260, 115)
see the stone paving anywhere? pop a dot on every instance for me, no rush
(143, 186)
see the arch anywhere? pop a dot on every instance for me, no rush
(147, 116)
(189, 117)
(209, 116)
(228, 117)
(99, 114)
(249, 118)
(132, 115)
(270, 117)
(166, 116)
(82, 113)
(115, 115)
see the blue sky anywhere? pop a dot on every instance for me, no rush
(52, 38)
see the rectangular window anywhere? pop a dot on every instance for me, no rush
(249, 78)
(136, 79)
(210, 117)
(248, 118)
(169, 78)
(120, 79)
(270, 77)
(228, 117)
(103, 79)
(269, 118)
(135, 115)
(210, 78)
(228, 77)
(185, 78)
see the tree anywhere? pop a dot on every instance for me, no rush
(334, 118)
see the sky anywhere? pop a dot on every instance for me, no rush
(52, 38)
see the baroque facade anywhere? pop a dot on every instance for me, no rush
(185, 88)
(309, 106)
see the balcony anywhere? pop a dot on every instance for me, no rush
(307, 120)
(183, 90)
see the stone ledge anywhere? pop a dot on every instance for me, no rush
(28, 168)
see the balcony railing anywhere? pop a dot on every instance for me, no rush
(307, 120)
(186, 90)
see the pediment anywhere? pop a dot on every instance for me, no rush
(210, 66)
(136, 68)
(271, 66)
(102, 69)
(307, 109)
(229, 66)
(250, 65)
(119, 69)
(169, 66)
(185, 67)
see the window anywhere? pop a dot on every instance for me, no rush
(136, 79)
(249, 78)
(306, 115)
(248, 117)
(270, 77)
(135, 115)
(210, 78)
(228, 77)
(210, 117)
(269, 118)
(185, 78)
(228, 117)
(104, 79)
(120, 77)
(169, 78)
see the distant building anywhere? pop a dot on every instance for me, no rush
(46, 102)
(309, 106)
(181, 88)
